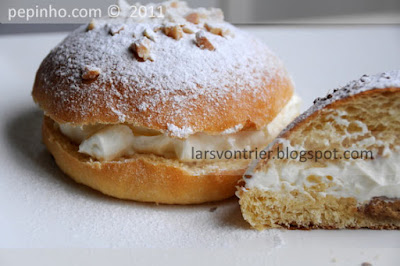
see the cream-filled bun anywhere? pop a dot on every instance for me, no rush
(335, 166)
(127, 101)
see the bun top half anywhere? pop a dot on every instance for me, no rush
(181, 71)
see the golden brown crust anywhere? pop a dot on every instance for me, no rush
(146, 178)
(297, 124)
(240, 83)
(253, 108)
(340, 102)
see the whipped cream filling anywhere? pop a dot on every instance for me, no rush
(108, 142)
(360, 179)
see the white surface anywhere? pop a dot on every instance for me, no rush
(41, 207)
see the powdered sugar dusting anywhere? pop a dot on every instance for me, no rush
(168, 90)
(233, 129)
(180, 132)
(121, 116)
(366, 82)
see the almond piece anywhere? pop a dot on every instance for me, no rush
(90, 73)
(91, 25)
(217, 30)
(187, 30)
(150, 34)
(141, 48)
(174, 32)
(116, 29)
(203, 42)
(193, 18)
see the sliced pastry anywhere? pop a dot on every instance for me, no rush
(336, 166)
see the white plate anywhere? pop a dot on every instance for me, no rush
(41, 207)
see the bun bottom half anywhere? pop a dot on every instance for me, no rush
(145, 177)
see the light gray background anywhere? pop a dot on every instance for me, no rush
(236, 11)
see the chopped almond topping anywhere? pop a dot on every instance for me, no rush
(174, 32)
(217, 30)
(116, 30)
(141, 48)
(150, 34)
(193, 18)
(187, 30)
(203, 42)
(91, 25)
(90, 73)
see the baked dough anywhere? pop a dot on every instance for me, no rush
(333, 193)
(184, 73)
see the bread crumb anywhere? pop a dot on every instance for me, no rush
(366, 264)
(213, 209)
